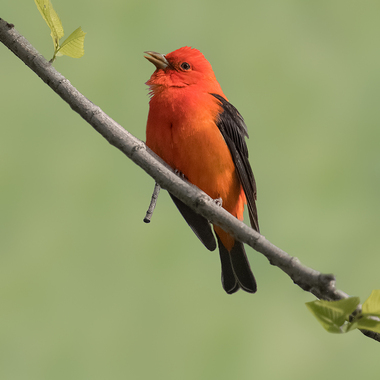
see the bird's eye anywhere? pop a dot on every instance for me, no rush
(185, 66)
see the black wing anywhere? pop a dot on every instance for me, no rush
(197, 223)
(233, 129)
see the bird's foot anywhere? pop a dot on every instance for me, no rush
(218, 202)
(179, 174)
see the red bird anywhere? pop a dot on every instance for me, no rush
(192, 127)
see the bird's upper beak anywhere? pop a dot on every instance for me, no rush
(157, 59)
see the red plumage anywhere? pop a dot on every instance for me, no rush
(193, 128)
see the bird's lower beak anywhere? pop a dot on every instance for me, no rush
(157, 59)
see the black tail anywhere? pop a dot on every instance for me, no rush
(236, 271)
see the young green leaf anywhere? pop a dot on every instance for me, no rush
(73, 45)
(367, 323)
(372, 305)
(324, 317)
(333, 314)
(52, 20)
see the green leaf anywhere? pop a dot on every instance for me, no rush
(350, 326)
(52, 20)
(372, 305)
(73, 45)
(367, 323)
(333, 314)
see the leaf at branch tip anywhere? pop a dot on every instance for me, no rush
(73, 45)
(333, 314)
(52, 20)
(372, 304)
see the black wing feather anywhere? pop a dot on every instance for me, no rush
(233, 129)
(200, 225)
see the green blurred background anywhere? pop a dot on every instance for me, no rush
(88, 291)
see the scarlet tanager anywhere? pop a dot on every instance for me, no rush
(193, 128)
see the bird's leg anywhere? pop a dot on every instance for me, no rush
(153, 202)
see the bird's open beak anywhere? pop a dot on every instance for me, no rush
(157, 59)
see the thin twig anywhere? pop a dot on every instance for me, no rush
(153, 203)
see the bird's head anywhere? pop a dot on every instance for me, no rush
(181, 68)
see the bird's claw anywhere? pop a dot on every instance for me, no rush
(218, 202)
(179, 174)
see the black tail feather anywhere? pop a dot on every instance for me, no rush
(229, 281)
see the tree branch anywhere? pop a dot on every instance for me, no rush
(319, 284)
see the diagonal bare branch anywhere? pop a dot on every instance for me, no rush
(321, 285)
